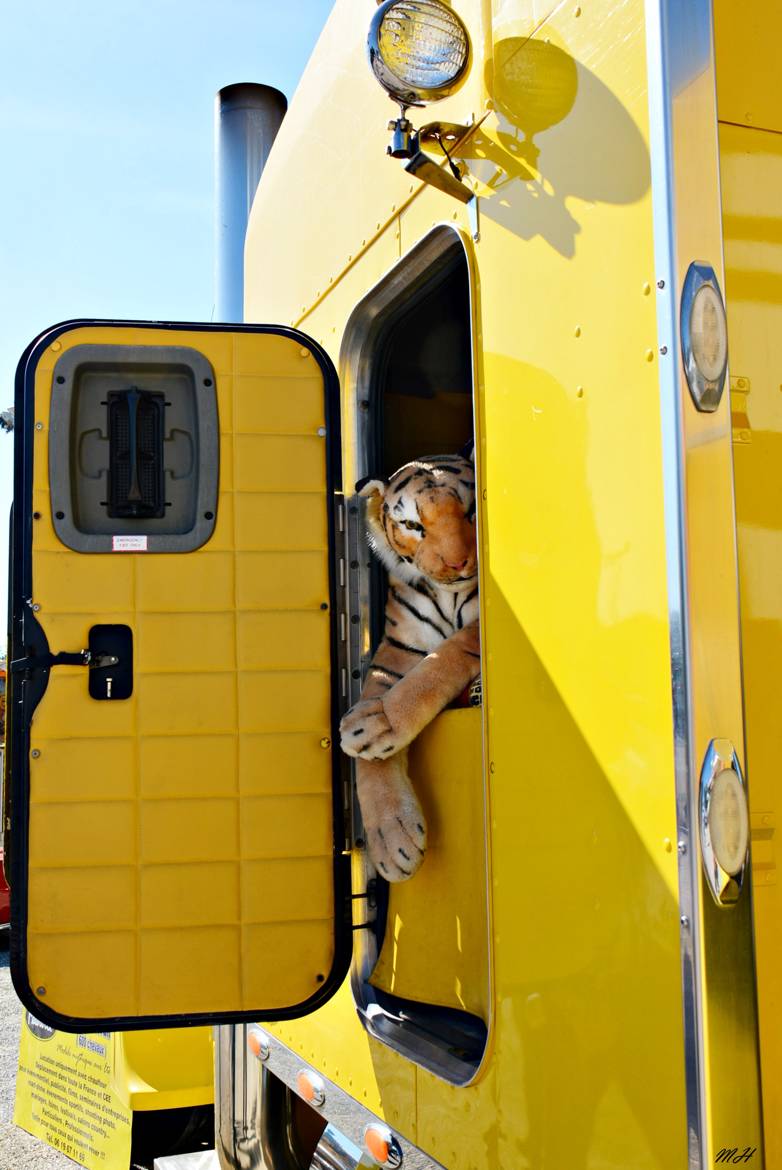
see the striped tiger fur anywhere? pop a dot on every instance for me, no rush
(422, 527)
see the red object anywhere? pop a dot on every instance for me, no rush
(5, 896)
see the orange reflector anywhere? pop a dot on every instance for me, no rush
(305, 1086)
(377, 1144)
(310, 1087)
(258, 1043)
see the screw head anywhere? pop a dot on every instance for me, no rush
(325, 742)
(661, 284)
(36, 607)
(35, 754)
(39, 426)
(40, 991)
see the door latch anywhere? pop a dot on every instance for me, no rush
(108, 658)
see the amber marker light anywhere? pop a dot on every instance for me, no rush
(310, 1087)
(258, 1043)
(382, 1145)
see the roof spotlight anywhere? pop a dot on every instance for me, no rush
(419, 50)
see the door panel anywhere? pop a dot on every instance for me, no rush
(179, 851)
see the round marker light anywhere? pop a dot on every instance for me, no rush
(709, 333)
(382, 1145)
(728, 821)
(724, 822)
(704, 332)
(418, 49)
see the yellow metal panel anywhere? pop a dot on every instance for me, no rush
(751, 171)
(442, 914)
(69, 900)
(189, 895)
(280, 522)
(151, 814)
(56, 960)
(281, 763)
(747, 38)
(172, 830)
(286, 581)
(168, 1070)
(187, 766)
(586, 1000)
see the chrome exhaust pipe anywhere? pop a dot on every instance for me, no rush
(247, 118)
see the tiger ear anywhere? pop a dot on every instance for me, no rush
(468, 451)
(369, 487)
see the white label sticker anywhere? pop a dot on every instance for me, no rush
(129, 543)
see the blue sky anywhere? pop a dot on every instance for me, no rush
(106, 127)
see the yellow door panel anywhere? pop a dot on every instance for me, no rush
(176, 796)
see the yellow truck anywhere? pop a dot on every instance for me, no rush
(578, 212)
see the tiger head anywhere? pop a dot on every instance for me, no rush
(422, 521)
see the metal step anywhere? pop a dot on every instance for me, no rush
(201, 1160)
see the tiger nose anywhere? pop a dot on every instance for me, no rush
(457, 568)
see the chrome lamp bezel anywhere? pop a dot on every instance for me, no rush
(706, 392)
(394, 86)
(725, 887)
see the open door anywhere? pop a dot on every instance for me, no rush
(175, 790)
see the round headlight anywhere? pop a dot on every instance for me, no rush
(704, 331)
(418, 50)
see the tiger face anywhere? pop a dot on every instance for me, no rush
(422, 522)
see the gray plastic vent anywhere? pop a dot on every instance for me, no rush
(134, 448)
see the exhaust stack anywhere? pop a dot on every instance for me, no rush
(247, 118)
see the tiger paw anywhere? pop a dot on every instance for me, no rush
(366, 732)
(394, 825)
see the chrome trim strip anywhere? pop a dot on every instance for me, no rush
(342, 1111)
(658, 50)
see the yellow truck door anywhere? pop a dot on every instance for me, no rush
(175, 796)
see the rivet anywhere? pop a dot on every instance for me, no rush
(663, 350)
(579, 391)
(36, 607)
(483, 494)
(577, 331)
(39, 426)
(741, 383)
(577, 12)
(325, 742)
(668, 844)
(35, 753)
(56, 346)
(491, 767)
(682, 847)
(646, 288)
(661, 284)
(745, 436)
(42, 990)
(321, 431)
(684, 920)
(304, 352)
(650, 355)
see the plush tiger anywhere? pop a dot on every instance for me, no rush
(422, 527)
